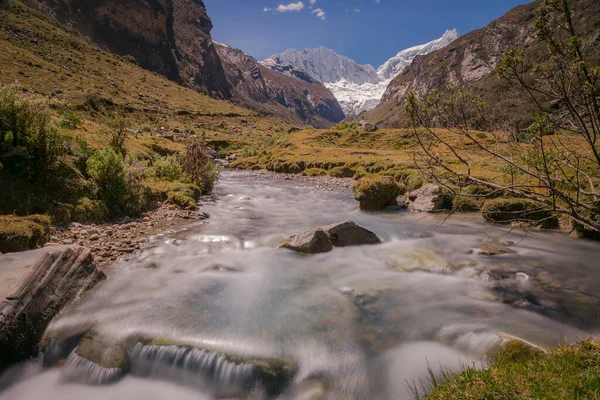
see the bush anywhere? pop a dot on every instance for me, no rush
(511, 210)
(167, 168)
(376, 193)
(118, 132)
(70, 120)
(29, 143)
(198, 166)
(120, 191)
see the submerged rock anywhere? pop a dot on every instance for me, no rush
(310, 242)
(55, 280)
(350, 234)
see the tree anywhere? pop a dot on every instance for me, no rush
(556, 163)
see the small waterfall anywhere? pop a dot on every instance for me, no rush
(81, 370)
(208, 370)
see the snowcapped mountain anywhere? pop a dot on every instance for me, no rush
(357, 87)
(327, 66)
(392, 67)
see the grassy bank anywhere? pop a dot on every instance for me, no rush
(569, 372)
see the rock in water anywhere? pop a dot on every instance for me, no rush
(310, 242)
(55, 280)
(349, 234)
(427, 199)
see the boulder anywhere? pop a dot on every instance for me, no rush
(429, 198)
(23, 233)
(376, 193)
(349, 234)
(310, 242)
(58, 277)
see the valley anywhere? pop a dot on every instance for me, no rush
(181, 220)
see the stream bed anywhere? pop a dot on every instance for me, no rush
(218, 310)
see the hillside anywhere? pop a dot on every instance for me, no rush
(472, 59)
(289, 93)
(86, 86)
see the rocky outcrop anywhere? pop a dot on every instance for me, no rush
(170, 37)
(281, 90)
(429, 198)
(471, 61)
(56, 279)
(322, 240)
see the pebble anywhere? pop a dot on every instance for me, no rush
(95, 237)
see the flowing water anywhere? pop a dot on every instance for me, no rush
(217, 310)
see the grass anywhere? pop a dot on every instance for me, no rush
(569, 372)
(22, 233)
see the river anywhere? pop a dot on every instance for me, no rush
(216, 309)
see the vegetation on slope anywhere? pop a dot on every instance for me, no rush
(87, 135)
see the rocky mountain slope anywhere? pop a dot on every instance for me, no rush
(170, 37)
(472, 59)
(279, 89)
(357, 87)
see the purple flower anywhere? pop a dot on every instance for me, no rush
(66, 96)
(129, 175)
(16, 82)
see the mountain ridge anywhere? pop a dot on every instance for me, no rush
(357, 87)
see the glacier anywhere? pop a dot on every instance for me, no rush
(358, 88)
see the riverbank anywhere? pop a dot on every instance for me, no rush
(323, 182)
(118, 241)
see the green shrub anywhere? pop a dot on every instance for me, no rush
(90, 211)
(167, 168)
(376, 192)
(509, 210)
(342, 172)
(70, 120)
(30, 145)
(198, 166)
(118, 189)
(118, 132)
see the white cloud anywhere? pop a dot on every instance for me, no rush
(356, 9)
(319, 13)
(267, 9)
(290, 7)
(312, 3)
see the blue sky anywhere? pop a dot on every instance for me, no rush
(369, 31)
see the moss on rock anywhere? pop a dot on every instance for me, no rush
(512, 210)
(376, 192)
